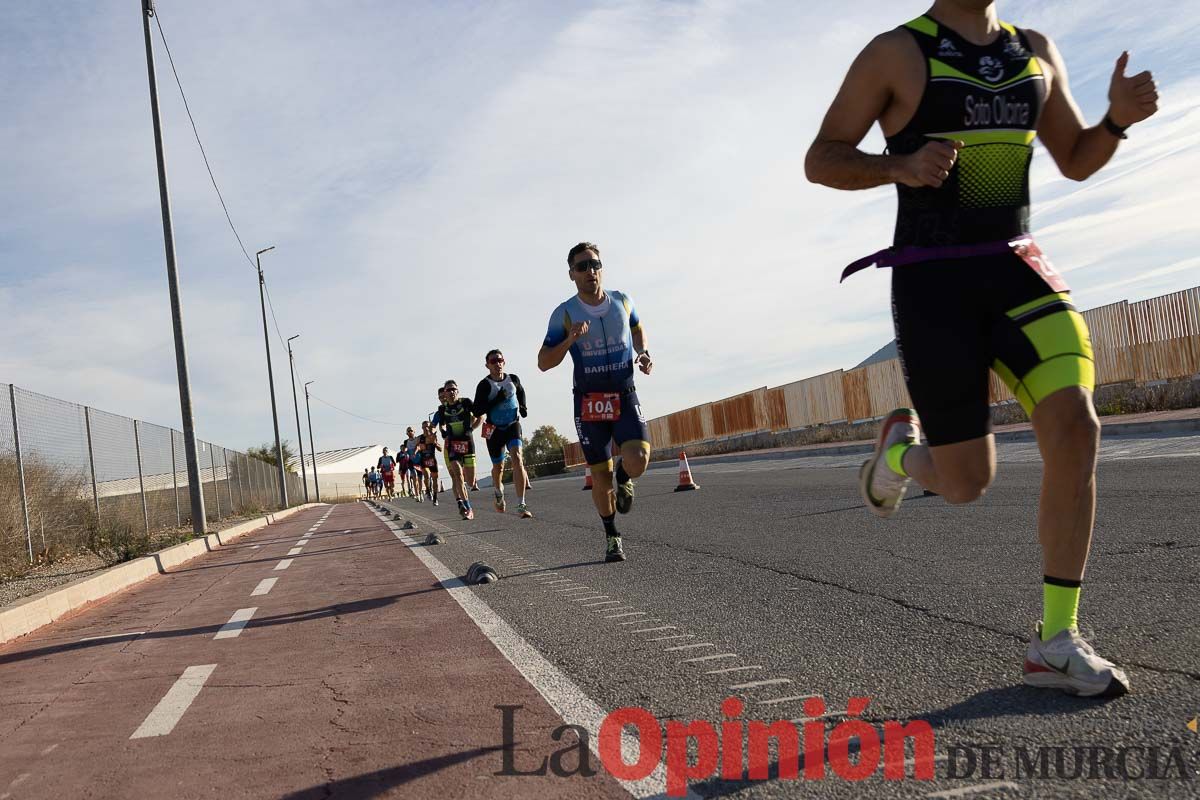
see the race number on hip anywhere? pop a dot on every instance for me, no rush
(601, 407)
(460, 447)
(488, 429)
(1028, 251)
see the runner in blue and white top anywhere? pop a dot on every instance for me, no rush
(500, 398)
(604, 335)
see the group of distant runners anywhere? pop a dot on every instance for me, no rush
(495, 411)
(960, 97)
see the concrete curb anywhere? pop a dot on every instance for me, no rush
(33, 612)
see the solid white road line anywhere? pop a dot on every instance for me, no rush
(287, 562)
(236, 624)
(708, 658)
(768, 682)
(575, 707)
(166, 714)
(295, 551)
(733, 669)
(111, 636)
(264, 586)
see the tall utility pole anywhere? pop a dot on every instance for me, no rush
(195, 489)
(312, 448)
(296, 405)
(262, 301)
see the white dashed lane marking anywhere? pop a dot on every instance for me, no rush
(788, 699)
(264, 586)
(688, 647)
(287, 562)
(733, 669)
(175, 702)
(966, 790)
(767, 682)
(237, 623)
(714, 657)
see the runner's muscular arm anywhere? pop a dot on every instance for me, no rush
(834, 158)
(639, 346)
(1080, 151)
(550, 357)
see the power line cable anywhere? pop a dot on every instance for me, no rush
(199, 143)
(357, 416)
(229, 219)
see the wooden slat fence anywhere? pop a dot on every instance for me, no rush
(1150, 340)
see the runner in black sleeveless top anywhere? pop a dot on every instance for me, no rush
(960, 97)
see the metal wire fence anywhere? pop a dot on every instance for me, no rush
(75, 478)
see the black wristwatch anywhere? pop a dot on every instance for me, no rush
(1113, 128)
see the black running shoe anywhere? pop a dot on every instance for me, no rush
(614, 552)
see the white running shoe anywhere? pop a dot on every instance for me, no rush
(883, 489)
(1069, 663)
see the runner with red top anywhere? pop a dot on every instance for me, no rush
(387, 468)
(960, 97)
(603, 333)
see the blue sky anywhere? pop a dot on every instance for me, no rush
(423, 167)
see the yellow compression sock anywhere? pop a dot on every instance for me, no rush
(1060, 606)
(895, 457)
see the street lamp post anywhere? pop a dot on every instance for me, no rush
(195, 488)
(283, 499)
(311, 447)
(296, 405)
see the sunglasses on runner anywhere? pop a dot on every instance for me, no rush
(591, 264)
(496, 360)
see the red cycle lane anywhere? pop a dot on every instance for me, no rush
(351, 674)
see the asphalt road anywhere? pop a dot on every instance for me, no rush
(774, 572)
(333, 656)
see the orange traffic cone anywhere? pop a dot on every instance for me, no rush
(587, 484)
(686, 484)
